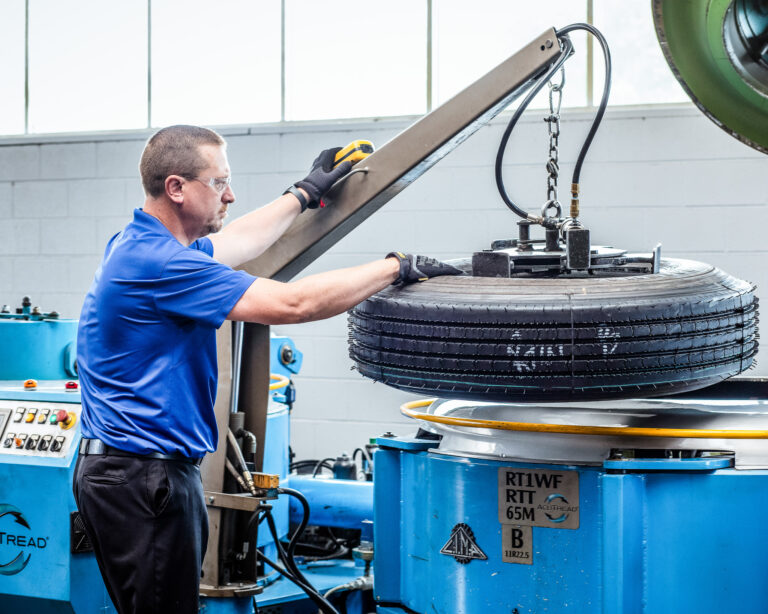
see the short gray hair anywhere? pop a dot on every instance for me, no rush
(174, 151)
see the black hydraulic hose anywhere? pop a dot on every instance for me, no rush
(321, 463)
(304, 519)
(288, 560)
(606, 90)
(323, 604)
(567, 49)
(293, 572)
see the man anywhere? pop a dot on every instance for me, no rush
(147, 355)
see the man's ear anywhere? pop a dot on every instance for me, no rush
(173, 188)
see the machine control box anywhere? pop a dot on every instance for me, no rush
(38, 428)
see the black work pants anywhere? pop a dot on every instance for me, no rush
(147, 521)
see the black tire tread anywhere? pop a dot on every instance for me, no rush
(529, 339)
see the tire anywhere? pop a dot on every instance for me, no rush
(558, 339)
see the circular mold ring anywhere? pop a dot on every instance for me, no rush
(558, 339)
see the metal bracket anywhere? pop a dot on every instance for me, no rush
(244, 502)
(656, 258)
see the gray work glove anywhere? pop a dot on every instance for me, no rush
(420, 268)
(322, 176)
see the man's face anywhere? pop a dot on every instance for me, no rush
(208, 195)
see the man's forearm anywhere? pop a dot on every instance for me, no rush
(249, 236)
(314, 297)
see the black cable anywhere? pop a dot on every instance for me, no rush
(252, 521)
(567, 50)
(320, 463)
(325, 608)
(310, 463)
(342, 551)
(293, 573)
(304, 519)
(606, 90)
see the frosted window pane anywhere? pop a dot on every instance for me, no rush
(87, 65)
(471, 38)
(359, 59)
(640, 72)
(215, 62)
(12, 66)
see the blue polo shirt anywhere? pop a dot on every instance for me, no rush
(146, 342)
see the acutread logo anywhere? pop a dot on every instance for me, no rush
(19, 562)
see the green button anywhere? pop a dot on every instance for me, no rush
(52, 419)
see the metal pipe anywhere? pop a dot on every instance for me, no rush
(333, 503)
(237, 353)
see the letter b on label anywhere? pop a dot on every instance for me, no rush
(517, 538)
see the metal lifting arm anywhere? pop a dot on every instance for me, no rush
(389, 170)
(404, 159)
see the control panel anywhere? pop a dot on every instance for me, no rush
(37, 428)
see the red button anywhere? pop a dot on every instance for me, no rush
(71, 385)
(62, 416)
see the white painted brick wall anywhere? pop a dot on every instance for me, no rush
(653, 175)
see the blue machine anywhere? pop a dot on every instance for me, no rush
(46, 563)
(494, 520)
(626, 507)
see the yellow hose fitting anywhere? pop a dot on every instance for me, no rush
(575, 200)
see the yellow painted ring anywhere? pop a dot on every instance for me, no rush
(574, 429)
(280, 381)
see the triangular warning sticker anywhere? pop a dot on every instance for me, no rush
(462, 546)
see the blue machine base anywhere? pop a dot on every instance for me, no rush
(284, 597)
(452, 535)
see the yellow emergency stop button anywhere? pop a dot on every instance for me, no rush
(66, 419)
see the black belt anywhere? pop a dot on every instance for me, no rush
(96, 446)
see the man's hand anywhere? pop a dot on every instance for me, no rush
(420, 268)
(322, 176)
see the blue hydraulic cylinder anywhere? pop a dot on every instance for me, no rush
(38, 349)
(333, 503)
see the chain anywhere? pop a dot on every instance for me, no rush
(553, 125)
